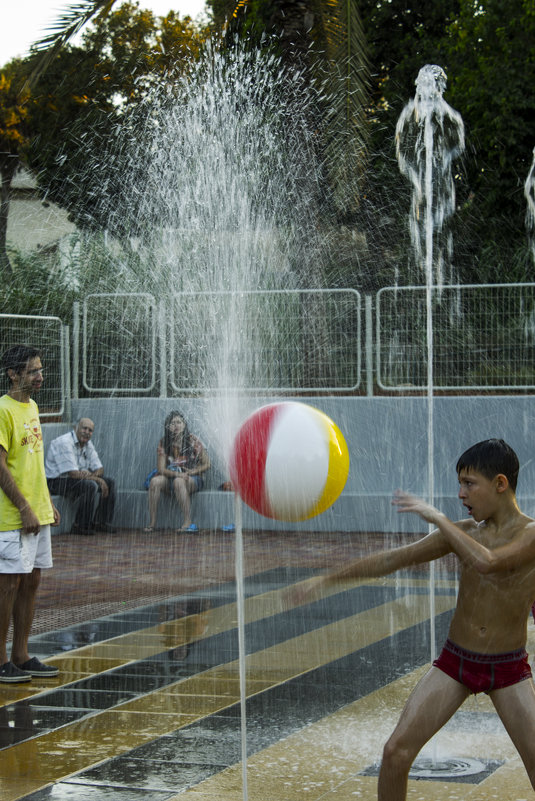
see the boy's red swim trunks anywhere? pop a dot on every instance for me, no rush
(481, 673)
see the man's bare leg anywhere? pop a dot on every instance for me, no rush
(431, 704)
(516, 707)
(23, 612)
(9, 583)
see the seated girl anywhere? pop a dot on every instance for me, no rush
(181, 461)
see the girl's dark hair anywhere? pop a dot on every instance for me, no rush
(187, 449)
(17, 357)
(491, 457)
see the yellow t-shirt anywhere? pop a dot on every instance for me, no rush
(21, 438)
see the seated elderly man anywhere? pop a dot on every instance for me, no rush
(73, 469)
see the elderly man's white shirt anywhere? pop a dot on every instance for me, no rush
(66, 454)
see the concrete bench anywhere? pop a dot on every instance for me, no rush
(386, 438)
(213, 509)
(210, 509)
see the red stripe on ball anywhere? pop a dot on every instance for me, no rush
(248, 458)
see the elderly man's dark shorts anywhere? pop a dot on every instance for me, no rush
(482, 673)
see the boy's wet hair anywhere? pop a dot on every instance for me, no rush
(491, 457)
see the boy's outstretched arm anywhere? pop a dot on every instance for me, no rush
(506, 557)
(380, 563)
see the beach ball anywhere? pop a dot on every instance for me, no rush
(289, 461)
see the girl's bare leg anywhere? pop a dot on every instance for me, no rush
(157, 484)
(184, 487)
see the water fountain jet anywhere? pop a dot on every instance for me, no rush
(529, 192)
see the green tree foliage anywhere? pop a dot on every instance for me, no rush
(135, 48)
(343, 69)
(324, 40)
(288, 23)
(74, 17)
(14, 143)
(84, 101)
(402, 36)
(491, 62)
(487, 51)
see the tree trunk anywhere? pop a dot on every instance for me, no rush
(8, 168)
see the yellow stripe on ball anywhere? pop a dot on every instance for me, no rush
(338, 468)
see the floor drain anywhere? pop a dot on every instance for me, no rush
(427, 768)
(463, 770)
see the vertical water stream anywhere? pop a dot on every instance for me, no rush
(429, 135)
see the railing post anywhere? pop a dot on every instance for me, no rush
(368, 344)
(75, 349)
(67, 372)
(162, 341)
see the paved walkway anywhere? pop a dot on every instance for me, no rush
(105, 573)
(147, 704)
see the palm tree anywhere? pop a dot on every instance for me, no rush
(13, 143)
(323, 37)
(325, 40)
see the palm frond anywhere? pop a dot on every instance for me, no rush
(344, 76)
(58, 33)
(346, 51)
(70, 21)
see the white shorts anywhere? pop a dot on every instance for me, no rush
(20, 553)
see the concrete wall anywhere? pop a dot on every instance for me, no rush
(386, 437)
(34, 223)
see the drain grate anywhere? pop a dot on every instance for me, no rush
(446, 769)
(428, 768)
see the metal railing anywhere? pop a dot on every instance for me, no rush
(483, 337)
(302, 341)
(193, 342)
(119, 343)
(52, 338)
(265, 341)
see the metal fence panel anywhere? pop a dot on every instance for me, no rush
(483, 337)
(47, 334)
(269, 340)
(119, 343)
(282, 340)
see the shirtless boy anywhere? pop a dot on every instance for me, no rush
(485, 649)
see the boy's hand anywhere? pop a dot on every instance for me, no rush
(303, 593)
(410, 503)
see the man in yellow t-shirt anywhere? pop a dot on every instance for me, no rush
(26, 512)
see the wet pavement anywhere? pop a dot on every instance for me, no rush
(147, 704)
